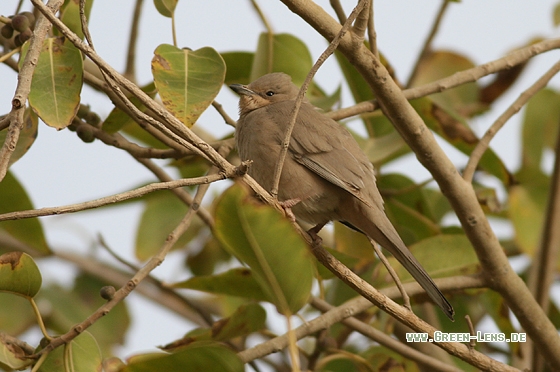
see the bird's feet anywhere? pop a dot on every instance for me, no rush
(314, 233)
(287, 206)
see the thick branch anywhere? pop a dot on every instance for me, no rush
(461, 195)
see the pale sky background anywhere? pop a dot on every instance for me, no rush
(60, 169)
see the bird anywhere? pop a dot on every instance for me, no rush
(325, 177)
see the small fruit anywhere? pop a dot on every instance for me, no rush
(20, 23)
(83, 110)
(29, 16)
(107, 292)
(92, 118)
(7, 31)
(25, 35)
(85, 132)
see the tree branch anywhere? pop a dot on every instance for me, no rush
(389, 342)
(24, 86)
(543, 267)
(136, 193)
(517, 105)
(460, 194)
(125, 290)
(457, 79)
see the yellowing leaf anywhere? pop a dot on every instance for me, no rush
(187, 81)
(57, 82)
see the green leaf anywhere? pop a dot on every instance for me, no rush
(442, 256)
(15, 325)
(70, 16)
(556, 15)
(235, 282)
(166, 7)
(260, 237)
(540, 125)
(27, 135)
(187, 81)
(119, 119)
(162, 213)
(244, 321)
(57, 82)
(196, 357)
(527, 205)
(28, 231)
(376, 124)
(281, 53)
(204, 261)
(407, 208)
(239, 65)
(19, 274)
(383, 148)
(82, 353)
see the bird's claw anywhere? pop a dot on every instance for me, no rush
(287, 206)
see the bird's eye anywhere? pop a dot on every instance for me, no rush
(270, 93)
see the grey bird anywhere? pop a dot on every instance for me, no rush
(326, 176)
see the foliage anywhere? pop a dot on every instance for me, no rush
(240, 254)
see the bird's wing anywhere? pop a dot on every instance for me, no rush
(329, 150)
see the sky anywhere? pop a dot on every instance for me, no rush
(60, 169)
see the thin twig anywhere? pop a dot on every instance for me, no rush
(116, 198)
(125, 290)
(392, 272)
(389, 342)
(361, 23)
(269, 35)
(84, 22)
(337, 7)
(543, 267)
(301, 94)
(484, 142)
(23, 88)
(427, 47)
(223, 113)
(7, 56)
(472, 341)
(158, 283)
(372, 34)
(459, 78)
(184, 196)
(130, 69)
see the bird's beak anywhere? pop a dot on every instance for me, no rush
(241, 89)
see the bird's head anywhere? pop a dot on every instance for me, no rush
(267, 89)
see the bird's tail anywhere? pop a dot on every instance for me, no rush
(385, 234)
